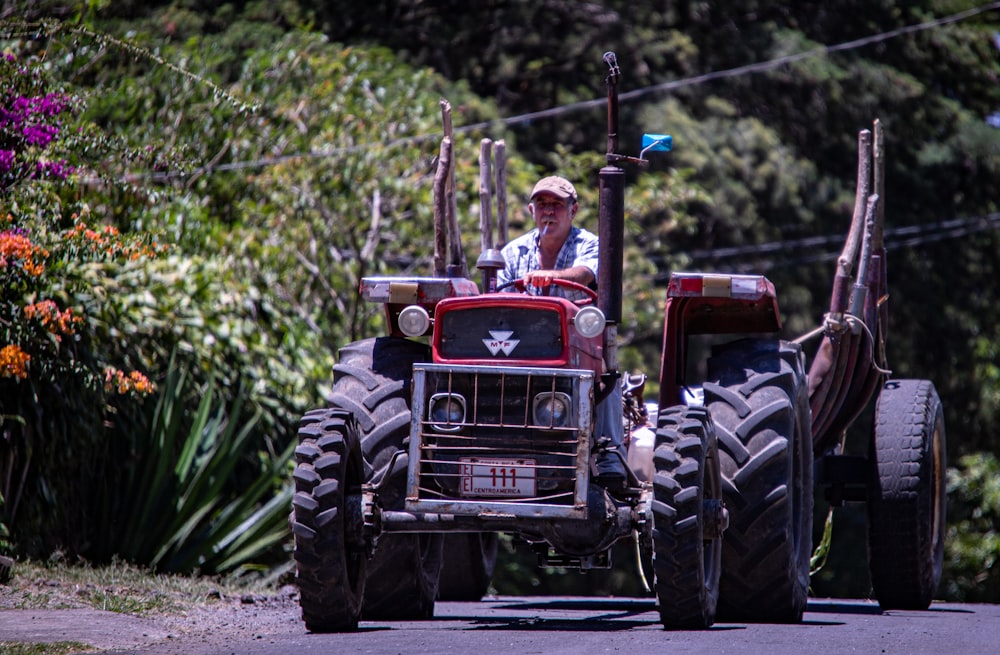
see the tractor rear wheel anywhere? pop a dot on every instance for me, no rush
(372, 381)
(906, 499)
(471, 558)
(688, 518)
(330, 550)
(758, 399)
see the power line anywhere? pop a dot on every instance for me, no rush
(574, 107)
(906, 235)
(909, 236)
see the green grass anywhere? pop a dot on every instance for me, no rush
(116, 587)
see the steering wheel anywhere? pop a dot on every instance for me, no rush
(559, 282)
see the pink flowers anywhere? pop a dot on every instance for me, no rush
(28, 125)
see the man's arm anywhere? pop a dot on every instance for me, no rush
(543, 278)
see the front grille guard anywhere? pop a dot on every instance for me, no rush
(565, 451)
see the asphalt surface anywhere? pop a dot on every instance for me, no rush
(528, 625)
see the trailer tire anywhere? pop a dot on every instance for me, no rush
(758, 399)
(907, 495)
(329, 549)
(469, 560)
(688, 517)
(372, 381)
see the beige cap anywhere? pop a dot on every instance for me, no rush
(557, 186)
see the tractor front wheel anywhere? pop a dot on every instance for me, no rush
(372, 382)
(688, 519)
(330, 550)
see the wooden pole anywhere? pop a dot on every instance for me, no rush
(500, 155)
(845, 263)
(485, 195)
(878, 151)
(440, 208)
(456, 258)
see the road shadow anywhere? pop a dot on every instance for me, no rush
(838, 606)
(595, 604)
(870, 607)
(612, 615)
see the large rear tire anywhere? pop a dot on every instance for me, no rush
(471, 558)
(907, 499)
(688, 517)
(758, 399)
(330, 551)
(372, 381)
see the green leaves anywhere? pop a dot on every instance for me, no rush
(972, 545)
(184, 511)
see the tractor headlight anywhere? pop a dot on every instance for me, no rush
(552, 409)
(447, 412)
(590, 321)
(414, 321)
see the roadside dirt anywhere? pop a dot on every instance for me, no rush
(48, 611)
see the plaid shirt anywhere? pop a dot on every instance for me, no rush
(522, 255)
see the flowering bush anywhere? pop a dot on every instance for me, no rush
(33, 324)
(58, 377)
(30, 121)
(85, 309)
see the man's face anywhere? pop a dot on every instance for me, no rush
(553, 216)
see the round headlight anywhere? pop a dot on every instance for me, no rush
(414, 321)
(590, 321)
(552, 410)
(447, 412)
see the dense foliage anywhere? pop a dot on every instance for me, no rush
(286, 149)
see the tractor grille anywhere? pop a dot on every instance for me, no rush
(464, 333)
(500, 450)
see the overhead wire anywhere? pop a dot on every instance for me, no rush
(897, 238)
(907, 236)
(574, 107)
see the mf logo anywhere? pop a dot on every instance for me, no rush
(500, 341)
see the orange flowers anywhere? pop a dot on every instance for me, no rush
(14, 362)
(15, 247)
(123, 383)
(39, 324)
(109, 242)
(54, 321)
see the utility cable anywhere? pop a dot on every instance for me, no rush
(569, 108)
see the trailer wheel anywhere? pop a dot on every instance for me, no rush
(758, 399)
(372, 381)
(688, 519)
(906, 500)
(330, 551)
(469, 560)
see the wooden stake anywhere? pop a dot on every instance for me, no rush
(500, 156)
(485, 195)
(440, 208)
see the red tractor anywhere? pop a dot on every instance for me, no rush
(475, 416)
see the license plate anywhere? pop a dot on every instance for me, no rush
(500, 477)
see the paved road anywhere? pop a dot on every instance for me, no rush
(587, 626)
